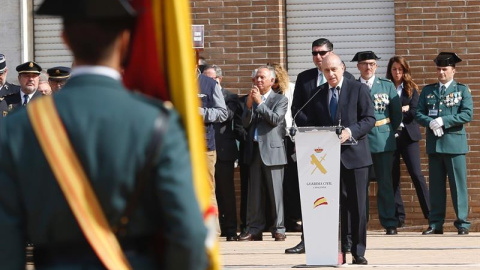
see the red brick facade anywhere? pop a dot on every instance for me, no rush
(241, 35)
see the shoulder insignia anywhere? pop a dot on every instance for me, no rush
(384, 79)
(2, 98)
(5, 113)
(168, 105)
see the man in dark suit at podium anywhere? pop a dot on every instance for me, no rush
(347, 102)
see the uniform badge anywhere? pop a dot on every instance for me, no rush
(31, 64)
(5, 113)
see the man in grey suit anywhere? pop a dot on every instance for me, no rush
(264, 115)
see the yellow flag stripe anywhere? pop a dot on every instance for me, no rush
(73, 181)
(183, 88)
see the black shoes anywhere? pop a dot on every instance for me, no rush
(298, 249)
(462, 231)
(391, 231)
(246, 236)
(359, 260)
(431, 230)
(231, 238)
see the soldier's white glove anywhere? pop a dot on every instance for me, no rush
(435, 124)
(438, 132)
(439, 121)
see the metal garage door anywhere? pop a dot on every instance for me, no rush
(351, 25)
(49, 50)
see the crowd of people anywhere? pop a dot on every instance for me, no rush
(253, 131)
(381, 114)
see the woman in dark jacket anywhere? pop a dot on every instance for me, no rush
(407, 137)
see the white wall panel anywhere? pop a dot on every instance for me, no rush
(351, 25)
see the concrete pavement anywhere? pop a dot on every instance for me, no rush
(407, 250)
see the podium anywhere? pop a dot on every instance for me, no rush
(318, 163)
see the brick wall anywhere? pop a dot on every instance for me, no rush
(241, 35)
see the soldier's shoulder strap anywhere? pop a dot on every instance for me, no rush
(73, 181)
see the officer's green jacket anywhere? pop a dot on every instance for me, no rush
(110, 129)
(386, 104)
(455, 108)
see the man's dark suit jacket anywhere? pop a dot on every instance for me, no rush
(225, 143)
(408, 121)
(14, 100)
(355, 109)
(304, 88)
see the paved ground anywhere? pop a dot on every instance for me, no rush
(407, 250)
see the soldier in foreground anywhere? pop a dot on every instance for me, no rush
(111, 131)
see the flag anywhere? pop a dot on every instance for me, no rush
(162, 65)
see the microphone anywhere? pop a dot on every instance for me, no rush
(293, 129)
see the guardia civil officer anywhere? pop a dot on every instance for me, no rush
(57, 77)
(28, 77)
(6, 88)
(111, 130)
(444, 108)
(388, 115)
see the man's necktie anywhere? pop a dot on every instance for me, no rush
(442, 90)
(333, 103)
(25, 100)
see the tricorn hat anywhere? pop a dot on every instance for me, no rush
(445, 59)
(366, 55)
(29, 67)
(87, 9)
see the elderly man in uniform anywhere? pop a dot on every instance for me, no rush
(444, 108)
(6, 88)
(111, 131)
(57, 77)
(388, 115)
(28, 77)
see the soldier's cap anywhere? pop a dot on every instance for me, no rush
(366, 55)
(29, 67)
(87, 9)
(3, 63)
(445, 59)
(58, 73)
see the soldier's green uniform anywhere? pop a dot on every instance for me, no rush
(111, 132)
(381, 138)
(446, 153)
(388, 115)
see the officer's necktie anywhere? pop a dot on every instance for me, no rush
(25, 100)
(333, 103)
(442, 91)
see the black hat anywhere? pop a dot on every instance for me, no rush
(3, 63)
(29, 67)
(445, 59)
(87, 9)
(59, 73)
(366, 55)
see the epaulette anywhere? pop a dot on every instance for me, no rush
(464, 85)
(384, 79)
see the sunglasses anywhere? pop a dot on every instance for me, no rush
(322, 53)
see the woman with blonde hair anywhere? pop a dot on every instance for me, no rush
(407, 137)
(291, 192)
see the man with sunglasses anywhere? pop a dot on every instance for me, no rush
(310, 79)
(57, 77)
